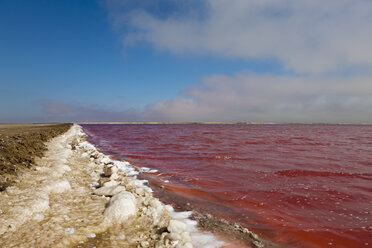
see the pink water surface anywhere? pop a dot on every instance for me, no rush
(298, 185)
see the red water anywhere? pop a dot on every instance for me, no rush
(298, 185)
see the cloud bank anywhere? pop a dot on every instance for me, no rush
(58, 111)
(310, 36)
(271, 98)
(247, 97)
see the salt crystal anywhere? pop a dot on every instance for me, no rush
(70, 230)
(176, 226)
(91, 235)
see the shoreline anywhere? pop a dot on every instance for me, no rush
(230, 232)
(233, 234)
(75, 196)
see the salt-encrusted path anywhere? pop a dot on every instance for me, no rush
(78, 197)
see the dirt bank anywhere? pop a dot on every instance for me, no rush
(20, 144)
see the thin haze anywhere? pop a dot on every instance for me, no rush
(294, 61)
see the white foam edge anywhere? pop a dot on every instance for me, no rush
(148, 170)
(124, 166)
(198, 238)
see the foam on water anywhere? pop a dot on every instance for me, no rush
(198, 237)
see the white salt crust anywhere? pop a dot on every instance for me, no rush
(120, 207)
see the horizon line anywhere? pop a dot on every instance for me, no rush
(222, 122)
(189, 122)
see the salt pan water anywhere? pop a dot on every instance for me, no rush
(297, 185)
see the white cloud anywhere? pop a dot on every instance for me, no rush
(308, 36)
(270, 98)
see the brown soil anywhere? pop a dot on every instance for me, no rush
(20, 144)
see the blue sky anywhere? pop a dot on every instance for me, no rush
(238, 60)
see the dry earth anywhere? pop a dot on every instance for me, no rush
(20, 144)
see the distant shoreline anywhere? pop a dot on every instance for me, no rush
(228, 123)
(25, 125)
